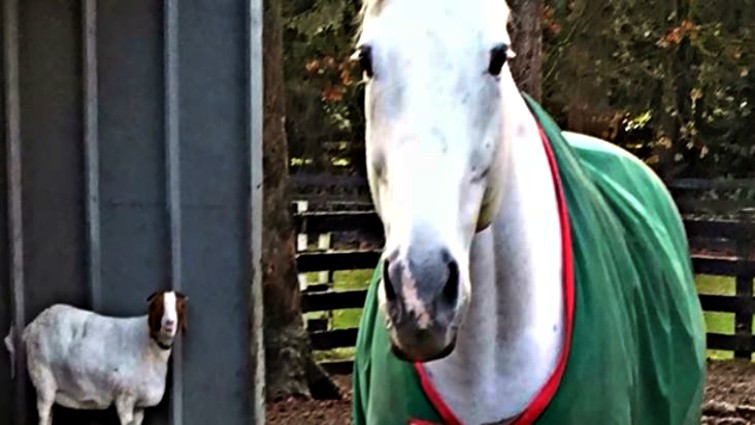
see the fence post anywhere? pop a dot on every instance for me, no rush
(323, 244)
(324, 278)
(301, 243)
(744, 294)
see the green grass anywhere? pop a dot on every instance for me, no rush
(718, 322)
(342, 319)
(715, 321)
(344, 281)
(359, 279)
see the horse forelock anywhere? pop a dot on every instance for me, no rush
(374, 8)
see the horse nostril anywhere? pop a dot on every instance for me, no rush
(451, 289)
(390, 292)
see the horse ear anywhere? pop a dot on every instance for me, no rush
(181, 296)
(152, 296)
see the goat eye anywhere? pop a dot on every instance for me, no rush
(498, 56)
(364, 56)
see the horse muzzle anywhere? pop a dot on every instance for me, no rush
(422, 304)
(421, 346)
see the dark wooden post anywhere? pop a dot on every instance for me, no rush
(744, 294)
(526, 36)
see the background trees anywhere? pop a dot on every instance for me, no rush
(670, 79)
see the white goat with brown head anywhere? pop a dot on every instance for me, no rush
(82, 360)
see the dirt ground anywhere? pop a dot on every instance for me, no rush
(729, 400)
(730, 393)
(313, 412)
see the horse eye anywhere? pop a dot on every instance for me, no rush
(498, 55)
(364, 56)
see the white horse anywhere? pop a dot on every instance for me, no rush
(472, 289)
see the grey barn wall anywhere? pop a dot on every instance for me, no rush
(131, 161)
(6, 389)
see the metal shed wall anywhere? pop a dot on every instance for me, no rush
(132, 162)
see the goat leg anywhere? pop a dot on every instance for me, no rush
(44, 409)
(138, 416)
(124, 405)
(46, 387)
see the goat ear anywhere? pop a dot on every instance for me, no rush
(182, 319)
(152, 296)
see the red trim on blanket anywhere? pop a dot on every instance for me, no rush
(538, 404)
(443, 410)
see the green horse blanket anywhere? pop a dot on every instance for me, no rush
(635, 335)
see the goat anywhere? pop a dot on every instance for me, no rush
(83, 360)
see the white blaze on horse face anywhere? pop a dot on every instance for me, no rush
(433, 124)
(170, 314)
(411, 299)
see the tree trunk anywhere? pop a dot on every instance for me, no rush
(527, 42)
(290, 368)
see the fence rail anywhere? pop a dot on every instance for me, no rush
(319, 180)
(720, 247)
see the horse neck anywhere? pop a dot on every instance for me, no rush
(527, 245)
(517, 293)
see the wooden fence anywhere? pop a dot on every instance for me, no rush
(722, 242)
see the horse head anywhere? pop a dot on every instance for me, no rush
(433, 149)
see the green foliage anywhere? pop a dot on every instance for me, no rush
(323, 98)
(683, 67)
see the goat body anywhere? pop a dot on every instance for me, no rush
(83, 360)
